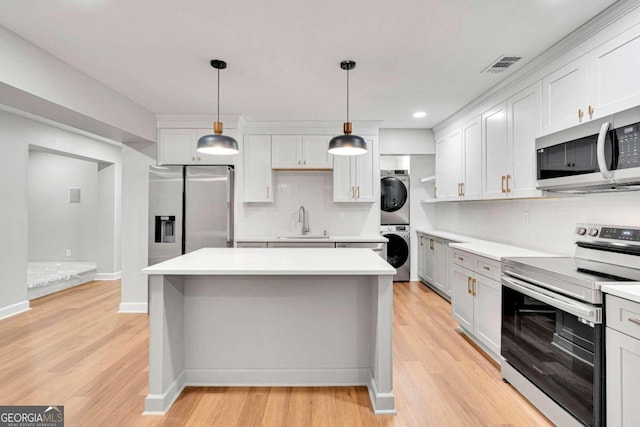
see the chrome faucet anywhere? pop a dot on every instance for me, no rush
(303, 218)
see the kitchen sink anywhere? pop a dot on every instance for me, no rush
(302, 237)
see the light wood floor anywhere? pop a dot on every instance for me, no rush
(73, 349)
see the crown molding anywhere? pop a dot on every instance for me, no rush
(307, 127)
(195, 121)
(532, 70)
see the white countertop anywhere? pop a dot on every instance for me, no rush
(275, 261)
(447, 235)
(497, 251)
(626, 291)
(375, 238)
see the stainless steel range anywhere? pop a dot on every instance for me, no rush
(552, 322)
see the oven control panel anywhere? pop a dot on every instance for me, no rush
(595, 232)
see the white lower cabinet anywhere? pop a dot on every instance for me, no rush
(433, 256)
(476, 299)
(623, 361)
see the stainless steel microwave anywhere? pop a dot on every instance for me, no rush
(600, 155)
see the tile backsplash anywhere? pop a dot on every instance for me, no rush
(545, 224)
(314, 191)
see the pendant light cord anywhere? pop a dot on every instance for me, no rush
(218, 94)
(347, 95)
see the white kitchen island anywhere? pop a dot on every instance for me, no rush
(270, 317)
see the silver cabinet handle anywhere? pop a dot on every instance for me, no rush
(636, 321)
(486, 268)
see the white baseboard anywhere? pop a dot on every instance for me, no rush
(108, 276)
(382, 403)
(13, 309)
(158, 404)
(133, 307)
(276, 377)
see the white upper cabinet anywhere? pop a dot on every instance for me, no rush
(353, 177)
(179, 147)
(301, 152)
(471, 185)
(524, 126)
(614, 71)
(565, 97)
(257, 176)
(495, 141)
(175, 146)
(449, 166)
(315, 151)
(600, 83)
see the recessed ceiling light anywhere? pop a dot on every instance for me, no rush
(419, 114)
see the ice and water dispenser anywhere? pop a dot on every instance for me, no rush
(165, 229)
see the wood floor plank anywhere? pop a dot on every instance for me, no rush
(73, 349)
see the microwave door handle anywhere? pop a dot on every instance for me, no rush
(577, 309)
(602, 161)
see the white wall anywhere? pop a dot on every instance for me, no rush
(35, 81)
(407, 141)
(314, 190)
(135, 217)
(16, 135)
(542, 224)
(55, 224)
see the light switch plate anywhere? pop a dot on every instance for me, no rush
(74, 195)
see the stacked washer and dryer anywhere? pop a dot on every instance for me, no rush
(394, 220)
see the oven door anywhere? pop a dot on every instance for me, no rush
(557, 345)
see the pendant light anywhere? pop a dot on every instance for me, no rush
(347, 144)
(217, 143)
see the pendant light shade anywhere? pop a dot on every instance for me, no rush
(347, 144)
(217, 143)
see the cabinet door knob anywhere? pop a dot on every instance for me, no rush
(580, 113)
(473, 287)
(431, 244)
(193, 158)
(304, 162)
(469, 285)
(462, 188)
(358, 191)
(503, 180)
(508, 189)
(591, 110)
(299, 161)
(353, 192)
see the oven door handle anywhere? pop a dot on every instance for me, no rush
(584, 311)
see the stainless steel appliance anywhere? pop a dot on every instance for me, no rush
(552, 323)
(394, 197)
(190, 207)
(599, 155)
(398, 250)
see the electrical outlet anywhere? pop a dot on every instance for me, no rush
(68, 252)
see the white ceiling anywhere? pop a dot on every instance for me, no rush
(283, 55)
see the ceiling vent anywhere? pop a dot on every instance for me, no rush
(501, 64)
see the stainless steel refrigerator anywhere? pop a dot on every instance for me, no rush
(190, 207)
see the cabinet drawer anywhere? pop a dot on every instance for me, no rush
(623, 315)
(463, 259)
(488, 267)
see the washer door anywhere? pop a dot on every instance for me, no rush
(393, 194)
(397, 250)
